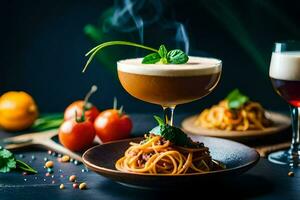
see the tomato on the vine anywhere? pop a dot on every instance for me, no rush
(112, 125)
(76, 135)
(90, 114)
(91, 111)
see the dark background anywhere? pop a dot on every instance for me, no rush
(43, 45)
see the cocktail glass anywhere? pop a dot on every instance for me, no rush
(169, 85)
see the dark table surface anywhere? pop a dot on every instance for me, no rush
(265, 181)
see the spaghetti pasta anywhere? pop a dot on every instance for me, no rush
(156, 155)
(251, 116)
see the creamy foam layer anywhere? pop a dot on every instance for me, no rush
(195, 66)
(285, 66)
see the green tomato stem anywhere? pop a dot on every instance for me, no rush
(89, 94)
(95, 50)
(121, 110)
(79, 119)
(115, 103)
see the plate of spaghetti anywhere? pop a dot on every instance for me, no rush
(236, 117)
(168, 157)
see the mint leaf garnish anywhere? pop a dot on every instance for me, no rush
(173, 134)
(177, 56)
(161, 55)
(151, 58)
(236, 99)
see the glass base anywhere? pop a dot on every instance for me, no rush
(284, 158)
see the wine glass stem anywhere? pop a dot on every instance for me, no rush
(168, 114)
(294, 150)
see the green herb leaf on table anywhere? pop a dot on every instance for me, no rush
(236, 99)
(24, 167)
(173, 134)
(8, 162)
(47, 122)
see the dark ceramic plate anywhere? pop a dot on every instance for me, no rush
(237, 157)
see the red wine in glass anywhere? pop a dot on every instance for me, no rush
(285, 77)
(288, 90)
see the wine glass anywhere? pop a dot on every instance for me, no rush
(169, 85)
(285, 76)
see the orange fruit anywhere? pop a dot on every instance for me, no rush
(18, 111)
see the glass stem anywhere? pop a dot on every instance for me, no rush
(168, 114)
(294, 150)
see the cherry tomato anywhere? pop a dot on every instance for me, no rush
(90, 114)
(111, 125)
(76, 136)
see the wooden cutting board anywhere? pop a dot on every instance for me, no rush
(40, 139)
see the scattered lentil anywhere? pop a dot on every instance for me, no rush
(82, 186)
(62, 186)
(45, 159)
(49, 164)
(33, 157)
(291, 174)
(47, 174)
(21, 156)
(72, 178)
(65, 158)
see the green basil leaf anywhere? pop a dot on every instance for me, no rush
(236, 99)
(151, 58)
(162, 51)
(156, 130)
(177, 56)
(159, 120)
(173, 134)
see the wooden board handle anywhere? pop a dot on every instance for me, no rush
(50, 144)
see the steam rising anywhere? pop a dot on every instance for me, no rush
(135, 15)
(124, 15)
(181, 36)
